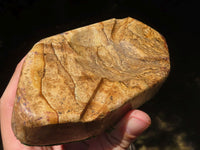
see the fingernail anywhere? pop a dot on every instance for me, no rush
(138, 122)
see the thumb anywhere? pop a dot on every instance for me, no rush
(129, 128)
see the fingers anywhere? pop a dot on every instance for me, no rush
(128, 129)
(6, 107)
(123, 134)
(7, 99)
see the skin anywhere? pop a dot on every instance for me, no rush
(123, 134)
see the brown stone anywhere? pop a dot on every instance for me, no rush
(77, 84)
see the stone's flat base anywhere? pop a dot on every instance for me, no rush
(77, 84)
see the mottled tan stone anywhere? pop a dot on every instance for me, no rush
(76, 84)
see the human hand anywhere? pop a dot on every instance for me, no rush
(123, 134)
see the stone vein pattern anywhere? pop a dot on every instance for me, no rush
(87, 78)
